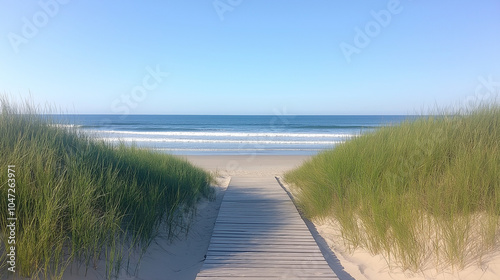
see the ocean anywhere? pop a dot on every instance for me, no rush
(228, 135)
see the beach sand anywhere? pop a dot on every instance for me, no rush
(361, 265)
(182, 258)
(248, 165)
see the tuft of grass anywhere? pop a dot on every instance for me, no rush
(426, 190)
(81, 200)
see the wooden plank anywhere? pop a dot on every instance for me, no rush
(251, 262)
(251, 246)
(284, 273)
(262, 241)
(256, 256)
(242, 234)
(259, 234)
(268, 227)
(282, 249)
(267, 271)
(260, 259)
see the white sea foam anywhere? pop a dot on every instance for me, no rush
(65, 125)
(222, 141)
(226, 150)
(226, 134)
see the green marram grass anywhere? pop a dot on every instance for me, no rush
(79, 200)
(421, 192)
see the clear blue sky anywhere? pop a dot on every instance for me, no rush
(248, 56)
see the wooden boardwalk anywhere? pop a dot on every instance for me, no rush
(260, 235)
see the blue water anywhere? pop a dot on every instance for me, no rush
(228, 135)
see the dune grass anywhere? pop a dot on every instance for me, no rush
(421, 192)
(81, 200)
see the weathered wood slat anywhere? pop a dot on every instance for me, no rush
(284, 273)
(265, 256)
(259, 235)
(263, 241)
(261, 259)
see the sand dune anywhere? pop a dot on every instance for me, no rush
(182, 258)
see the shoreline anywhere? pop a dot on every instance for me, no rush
(244, 165)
